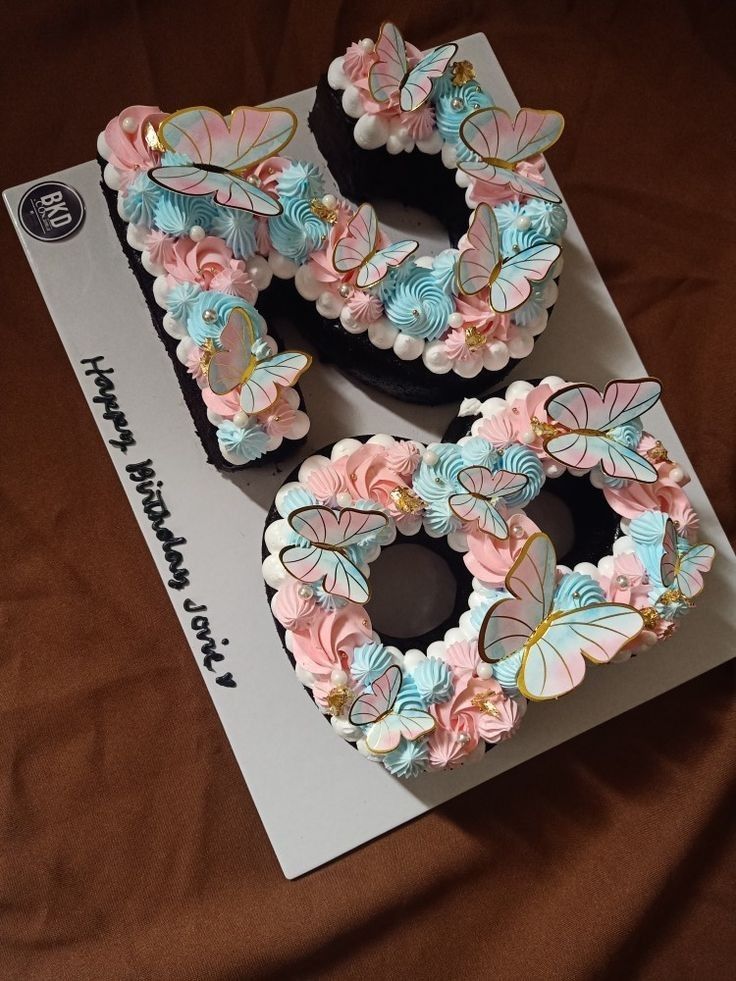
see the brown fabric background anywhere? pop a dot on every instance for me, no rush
(129, 847)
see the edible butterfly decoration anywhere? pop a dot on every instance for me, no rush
(390, 75)
(324, 560)
(357, 251)
(387, 726)
(234, 364)
(222, 152)
(586, 418)
(508, 279)
(502, 143)
(684, 572)
(484, 489)
(554, 643)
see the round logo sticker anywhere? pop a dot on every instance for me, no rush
(51, 211)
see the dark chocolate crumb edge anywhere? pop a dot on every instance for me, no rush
(189, 388)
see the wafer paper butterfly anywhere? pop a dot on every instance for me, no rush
(509, 279)
(357, 251)
(502, 144)
(587, 420)
(325, 560)
(234, 364)
(222, 152)
(390, 75)
(387, 726)
(555, 643)
(484, 489)
(684, 572)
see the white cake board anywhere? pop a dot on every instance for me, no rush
(317, 797)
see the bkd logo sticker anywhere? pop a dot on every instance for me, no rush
(51, 211)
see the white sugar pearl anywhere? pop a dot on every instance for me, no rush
(382, 334)
(259, 272)
(344, 499)
(196, 233)
(329, 201)
(484, 671)
(370, 132)
(352, 103)
(241, 419)
(338, 677)
(677, 474)
(281, 266)
(455, 320)
(408, 348)
(523, 222)
(128, 124)
(430, 458)
(553, 469)
(367, 45)
(307, 285)
(528, 436)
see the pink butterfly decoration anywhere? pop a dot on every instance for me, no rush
(684, 572)
(357, 250)
(484, 489)
(555, 644)
(391, 77)
(387, 726)
(221, 152)
(502, 144)
(508, 279)
(586, 418)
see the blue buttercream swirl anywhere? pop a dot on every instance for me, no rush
(369, 662)
(647, 532)
(409, 696)
(237, 229)
(297, 231)
(433, 680)
(176, 213)
(182, 299)
(408, 759)
(444, 269)
(449, 117)
(576, 590)
(246, 444)
(549, 220)
(138, 201)
(418, 304)
(301, 179)
(534, 307)
(435, 483)
(479, 452)
(296, 497)
(520, 459)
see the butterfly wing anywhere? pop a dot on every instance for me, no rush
(668, 562)
(249, 136)
(375, 268)
(477, 505)
(477, 263)
(583, 451)
(337, 529)
(469, 508)
(418, 84)
(367, 708)
(625, 401)
(555, 663)
(229, 190)
(334, 571)
(583, 407)
(229, 366)
(686, 571)
(266, 379)
(385, 735)
(358, 242)
(512, 285)
(388, 72)
(501, 142)
(510, 623)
